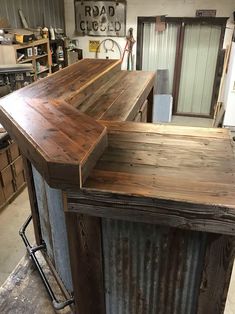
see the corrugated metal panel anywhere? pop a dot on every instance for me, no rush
(159, 49)
(53, 227)
(151, 269)
(43, 212)
(201, 44)
(37, 12)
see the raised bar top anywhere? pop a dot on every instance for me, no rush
(120, 97)
(175, 175)
(171, 175)
(59, 140)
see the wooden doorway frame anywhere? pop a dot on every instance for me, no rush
(181, 22)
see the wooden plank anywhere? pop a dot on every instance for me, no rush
(131, 100)
(169, 130)
(163, 187)
(67, 139)
(84, 93)
(121, 97)
(70, 81)
(165, 212)
(217, 269)
(84, 236)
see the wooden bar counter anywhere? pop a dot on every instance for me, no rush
(136, 217)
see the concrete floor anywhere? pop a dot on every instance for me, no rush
(14, 215)
(189, 121)
(12, 248)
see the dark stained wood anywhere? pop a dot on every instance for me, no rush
(121, 98)
(73, 83)
(150, 107)
(178, 65)
(84, 238)
(217, 269)
(59, 140)
(62, 142)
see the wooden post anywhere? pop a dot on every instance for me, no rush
(84, 237)
(217, 269)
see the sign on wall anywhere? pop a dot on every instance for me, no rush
(101, 18)
(94, 46)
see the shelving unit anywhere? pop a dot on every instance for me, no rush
(56, 63)
(37, 53)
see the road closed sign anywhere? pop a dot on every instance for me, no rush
(101, 18)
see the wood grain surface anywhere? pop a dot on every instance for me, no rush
(55, 137)
(217, 270)
(50, 118)
(120, 98)
(176, 176)
(85, 245)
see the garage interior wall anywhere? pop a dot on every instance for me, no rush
(135, 8)
(37, 12)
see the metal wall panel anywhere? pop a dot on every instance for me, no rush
(53, 227)
(200, 51)
(159, 49)
(37, 12)
(151, 269)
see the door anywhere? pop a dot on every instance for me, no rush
(159, 49)
(200, 51)
(190, 49)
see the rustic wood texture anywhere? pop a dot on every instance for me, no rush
(74, 83)
(84, 238)
(120, 98)
(175, 176)
(217, 269)
(55, 137)
(62, 142)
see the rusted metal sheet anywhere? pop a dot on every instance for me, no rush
(101, 18)
(53, 227)
(151, 269)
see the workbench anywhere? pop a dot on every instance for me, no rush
(133, 217)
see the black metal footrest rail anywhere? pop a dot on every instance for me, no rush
(32, 253)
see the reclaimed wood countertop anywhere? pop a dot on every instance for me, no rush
(62, 142)
(178, 176)
(169, 175)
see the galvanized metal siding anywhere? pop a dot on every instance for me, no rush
(53, 227)
(151, 269)
(37, 12)
(200, 51)
(159, 49)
